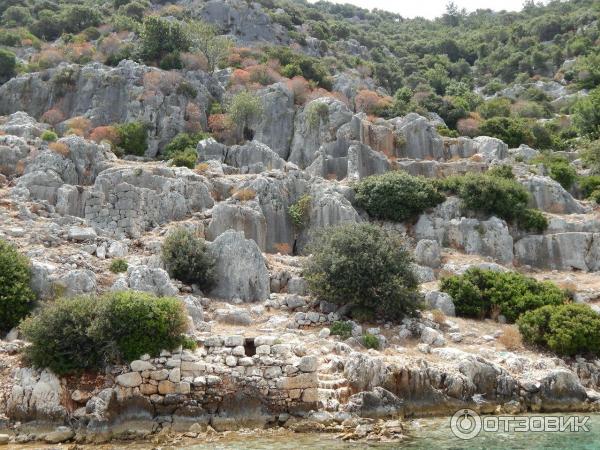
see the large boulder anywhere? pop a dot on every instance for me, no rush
(428, 253)
(561, 251)
(375, 404)
(241, 270)
(153, 280)
(276, 125)
(23, 125)
(13, 155)
(561, 390)
(77, 282)
(548, 195)
(235, 215)
(422, 141)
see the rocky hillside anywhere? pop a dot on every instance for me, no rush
(254, 126)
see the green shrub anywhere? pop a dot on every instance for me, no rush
(8, 64)
(396, 195)
(118, 266)
(532, 220)
(60, 336)
(370, 341)
(161, 37)
(559, 169)
(243, 108)
(131, 324)
(489, 194)
(502, 171)
(316, 113)
(171, 61)
(49, 136)
(187, 90)
(188, 259)
(299, 211)
(80, 334)
(447, 132)
(513, 132)
(479, 293)
(16, 297)
(186, 158)
(589, 185)
(182, 142)
(362, 266)
(496, 107)
(586, 114)
(133, 138)
(341, 329)
(568, 330)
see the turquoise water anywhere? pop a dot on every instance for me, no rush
(428, 434)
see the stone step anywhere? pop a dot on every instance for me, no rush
(342, 394)
(333, 384)
(329, 376)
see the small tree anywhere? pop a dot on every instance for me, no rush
(242, 110)
(161, 37)
(188, 259)
(204, 39)
(362, 266)
(16, 297)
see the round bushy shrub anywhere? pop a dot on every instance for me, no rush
(341, 329)
(396, 195)
(118, 266)
(479, 293)
(370, 341)
(493, 195)
(532, 220)
(130, 324)
(133, 138)
(80, 334)
(362, 266)
(49, 136)
(186, 158)
(60, 336)
(188, 259)
(568, 329)
(16, 297)
(183, 142)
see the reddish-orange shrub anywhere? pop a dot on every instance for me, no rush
(60, 148)
(193, 118)
(79, 126)
(468, 127)
(194, 61)
(53, 116)
(240, 77)
(106, 133)
(370, 102)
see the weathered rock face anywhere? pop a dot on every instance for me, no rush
(275, 194)
(107, 95)
(13, 153)
(128, 201)
(428, 253)
(36, 396)
(22, 125)
(252, 157)
(316, 124)
(78, 282)
(153, 280)
(276, 126)
(483, 237)
(441, 301)
(548, 195)
(246, 22)
(421, 139)
(240, 268)
(239, 216)
(561, 251)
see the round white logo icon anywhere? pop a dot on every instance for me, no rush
(465, 424)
